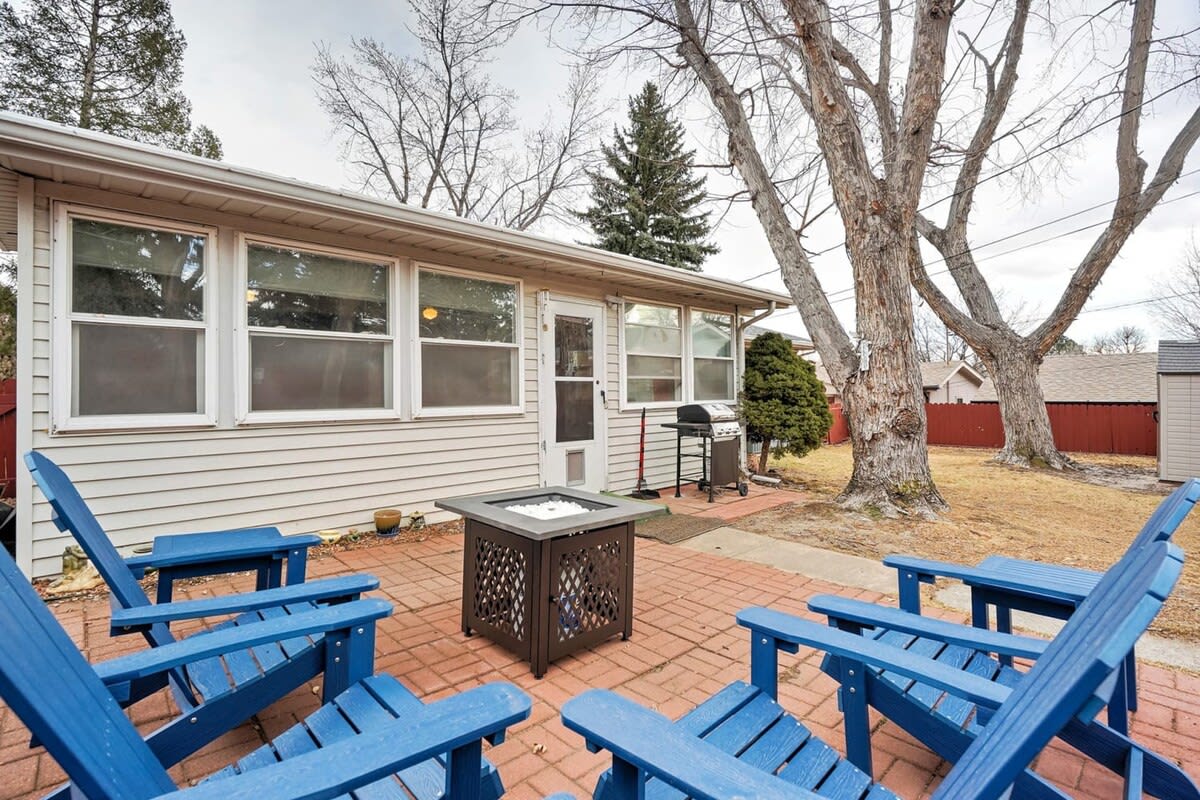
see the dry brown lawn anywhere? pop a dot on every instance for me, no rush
(994, 509)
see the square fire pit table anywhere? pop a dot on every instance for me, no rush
(545, 587)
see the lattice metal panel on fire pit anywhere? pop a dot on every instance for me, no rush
(500, 588)
(589, 590)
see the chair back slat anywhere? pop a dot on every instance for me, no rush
(1063, 683)
(1170, 513)
(46, 681)
(74, 515)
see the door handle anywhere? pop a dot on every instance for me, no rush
(603, 398)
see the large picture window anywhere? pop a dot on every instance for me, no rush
(319, 331)
(137, 303)
(653, 354)
(712, 356)
(469, 330)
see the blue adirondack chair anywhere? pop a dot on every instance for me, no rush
(741, 743)
(369, 739)
(189, 555)
(224, 689)
(936, 715)
(1051, 590)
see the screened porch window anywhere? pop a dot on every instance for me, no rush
(138, 315)
(469, 339)
(319, 331)
(653, 353)
(712, 356)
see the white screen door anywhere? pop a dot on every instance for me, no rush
(571, 404)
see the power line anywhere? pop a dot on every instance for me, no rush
(1141, 302)
(849, 291)
(1023, 162)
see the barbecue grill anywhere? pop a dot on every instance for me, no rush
(719, 463)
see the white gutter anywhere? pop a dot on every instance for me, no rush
(65, 147)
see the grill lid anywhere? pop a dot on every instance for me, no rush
(705, 412)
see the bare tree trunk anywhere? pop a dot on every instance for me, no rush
(764, 456)
(1028, 438)
(883, 400)
(88, 89)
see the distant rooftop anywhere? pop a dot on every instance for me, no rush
(936, 373)
(1109, 378)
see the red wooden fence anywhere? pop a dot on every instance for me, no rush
(1121, 428)
(8, 437)
(840, 431)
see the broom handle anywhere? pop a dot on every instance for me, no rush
(642, 453)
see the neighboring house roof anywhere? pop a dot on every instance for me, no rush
(823, 375)
(62, 154)
(934, 374)
(1179, 357)
(1109, 378)
(799, 343)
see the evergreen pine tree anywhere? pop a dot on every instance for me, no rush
(108, 65)
(642, 205)
(782, 398)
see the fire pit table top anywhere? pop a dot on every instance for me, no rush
(496, 510)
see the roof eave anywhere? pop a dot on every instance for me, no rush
(62, 146)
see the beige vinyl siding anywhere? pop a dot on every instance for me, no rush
(142, 483)
(8, 210)
(1179, 427)
(960, 387)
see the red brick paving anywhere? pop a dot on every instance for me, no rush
(685, 646)
(727, 504)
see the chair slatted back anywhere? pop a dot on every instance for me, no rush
(1170, 513)
(46, 681)
(72, 514)
(1063, 683)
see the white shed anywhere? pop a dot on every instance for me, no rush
(203, 346)
(1178, 410)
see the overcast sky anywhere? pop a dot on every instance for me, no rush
(247, 73)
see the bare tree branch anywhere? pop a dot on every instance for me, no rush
(434, 130)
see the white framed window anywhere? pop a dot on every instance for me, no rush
(469, 349)
(652, 355)
(319, 330)
(712, 356)
(134, 339)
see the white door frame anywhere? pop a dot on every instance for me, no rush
(547, 307)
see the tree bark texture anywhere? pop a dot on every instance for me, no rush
(1028, 438)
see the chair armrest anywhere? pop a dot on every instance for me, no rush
(155, 660)
(648, 741)
(925, 570)
(201, 548)
(841, 609)
(790, 630)
(125, 620)
(446, 725)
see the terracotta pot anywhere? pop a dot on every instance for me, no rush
(387, 522)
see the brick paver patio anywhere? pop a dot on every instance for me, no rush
(685, 646)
